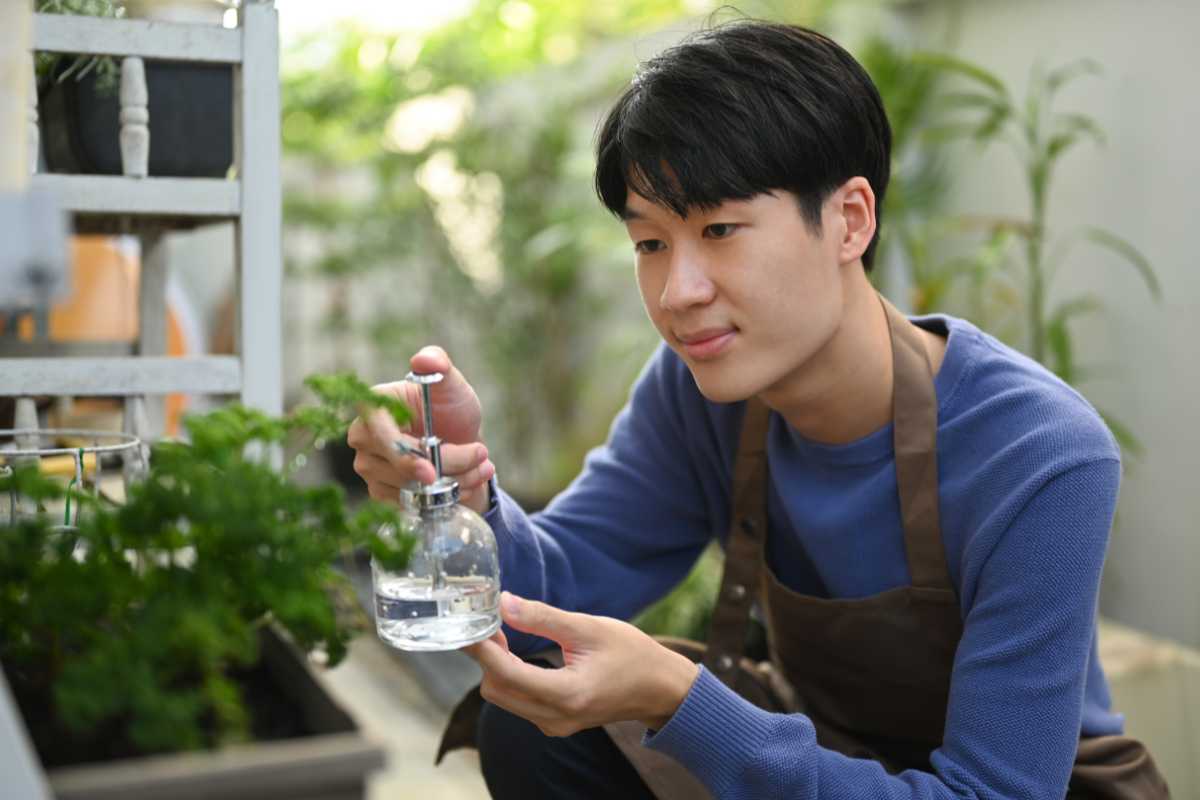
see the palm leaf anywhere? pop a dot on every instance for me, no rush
(957, 66)
(1071, 128)
(1061, 76)
(1130, 253)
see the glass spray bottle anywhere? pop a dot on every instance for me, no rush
(449, 595)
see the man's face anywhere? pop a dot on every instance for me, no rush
(745, 293)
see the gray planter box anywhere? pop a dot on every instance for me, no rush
(332, 764)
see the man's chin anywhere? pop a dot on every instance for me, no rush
(729, 387)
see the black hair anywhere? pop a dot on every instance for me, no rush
(743, 108)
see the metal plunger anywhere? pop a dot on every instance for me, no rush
(432, 444)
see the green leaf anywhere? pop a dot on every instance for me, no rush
(957, 101)
(1058, 340)
(1130, 253)
(991, 124)
(1124, 436)
(1084, 304)
(1061, 76)
(219, 543)
(345, 393)
(958, 66)
(1070, 128)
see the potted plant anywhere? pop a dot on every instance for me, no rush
(178, 620)
(191, 104)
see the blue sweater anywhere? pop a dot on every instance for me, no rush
(1028, 484)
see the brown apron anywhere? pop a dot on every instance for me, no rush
(892, 709)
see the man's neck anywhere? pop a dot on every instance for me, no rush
(844, 392)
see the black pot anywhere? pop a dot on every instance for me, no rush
(191, 122)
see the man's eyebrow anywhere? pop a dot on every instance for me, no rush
(628, 214)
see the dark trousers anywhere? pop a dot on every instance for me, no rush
(521, 763)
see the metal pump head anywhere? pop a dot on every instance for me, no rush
(443, 492)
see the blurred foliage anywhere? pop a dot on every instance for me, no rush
(1039, 136)
(687, 610)
(457, 166)
(119, 635)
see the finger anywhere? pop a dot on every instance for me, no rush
(517, 703)
(463, 462)
(455, 403)
(506, 669)
(358, 435)
(460, 458)
(368, 466)
(497, 638)
(384, 492)
(374, 468)
(382, 428)
(473, 480)
(431, 358)
(531, 616)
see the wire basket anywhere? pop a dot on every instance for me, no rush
(15, 449)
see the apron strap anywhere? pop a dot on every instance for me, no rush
(915, 410)
(743, 548)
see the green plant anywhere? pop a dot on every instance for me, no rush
(1040, 137)
(687, 610)
(918, 181)
(107, 70)
(488, 222)
(121, 635)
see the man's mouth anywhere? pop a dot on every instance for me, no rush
(706, 342)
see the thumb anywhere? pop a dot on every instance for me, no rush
(530, 616)
(455, 404)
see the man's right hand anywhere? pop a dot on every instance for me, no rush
(457, 417)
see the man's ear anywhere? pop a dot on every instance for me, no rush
(854, 203)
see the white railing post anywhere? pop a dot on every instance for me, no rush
(135, 119)
(134, 422)
(152, 318)
(259, 230)
(32, 138)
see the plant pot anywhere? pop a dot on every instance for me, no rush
(191, 122)
(328, 760)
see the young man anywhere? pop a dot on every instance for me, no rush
(920, 512)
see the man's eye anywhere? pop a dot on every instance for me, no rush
(720, 230)
(649, 246)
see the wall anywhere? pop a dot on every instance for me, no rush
(1142, 186)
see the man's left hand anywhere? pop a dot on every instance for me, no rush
(611, 671)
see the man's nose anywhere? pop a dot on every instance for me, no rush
(687, 283)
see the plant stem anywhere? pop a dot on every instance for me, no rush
(1033, 250)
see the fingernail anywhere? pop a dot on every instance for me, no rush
(510, 602)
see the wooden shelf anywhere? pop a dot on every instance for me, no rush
(65, 33)
(210, 198)
(120, 377)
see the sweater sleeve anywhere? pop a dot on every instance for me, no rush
(626, 530)
(1016, 692)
